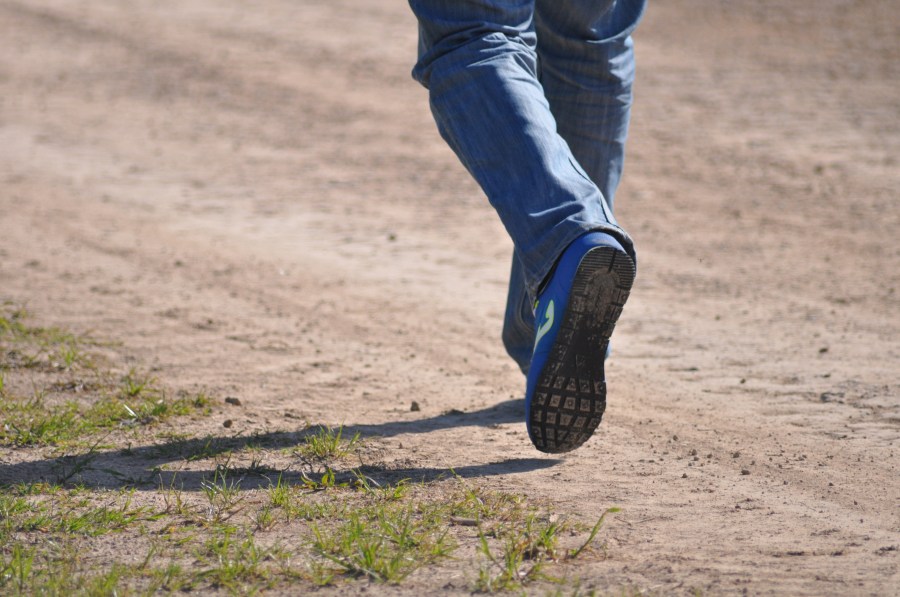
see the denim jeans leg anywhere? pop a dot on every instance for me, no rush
(518, 322)
(479, 60)
(586, 68)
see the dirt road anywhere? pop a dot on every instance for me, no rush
(255, 201)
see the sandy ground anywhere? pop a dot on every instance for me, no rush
(255, 201)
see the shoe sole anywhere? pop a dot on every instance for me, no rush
(570, 395)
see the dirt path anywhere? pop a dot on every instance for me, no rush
(257, 203)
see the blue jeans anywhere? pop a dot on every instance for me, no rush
(534, 97)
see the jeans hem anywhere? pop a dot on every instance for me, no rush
(535, 283)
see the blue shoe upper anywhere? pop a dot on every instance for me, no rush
(553, 301)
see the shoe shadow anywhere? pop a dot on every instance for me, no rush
(142, 467)
(381, 475)
(509, 411)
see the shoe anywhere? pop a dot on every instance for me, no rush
(575, 315)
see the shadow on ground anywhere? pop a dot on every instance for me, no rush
(142, 467)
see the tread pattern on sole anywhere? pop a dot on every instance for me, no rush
(570, 395)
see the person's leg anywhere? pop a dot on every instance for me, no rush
(586, 69)
(518, 321)
(479, 62)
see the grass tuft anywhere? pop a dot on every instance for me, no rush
(385, 542)
(327, 442)
(61, 365)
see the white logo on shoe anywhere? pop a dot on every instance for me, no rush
(545, 327)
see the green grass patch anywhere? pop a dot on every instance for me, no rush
(325, 442)
(234, 562)
(223, 537)
(35, 421)
(54, 391)
(69, 513)
(256, 515)
(524, 550)
(384, 541)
